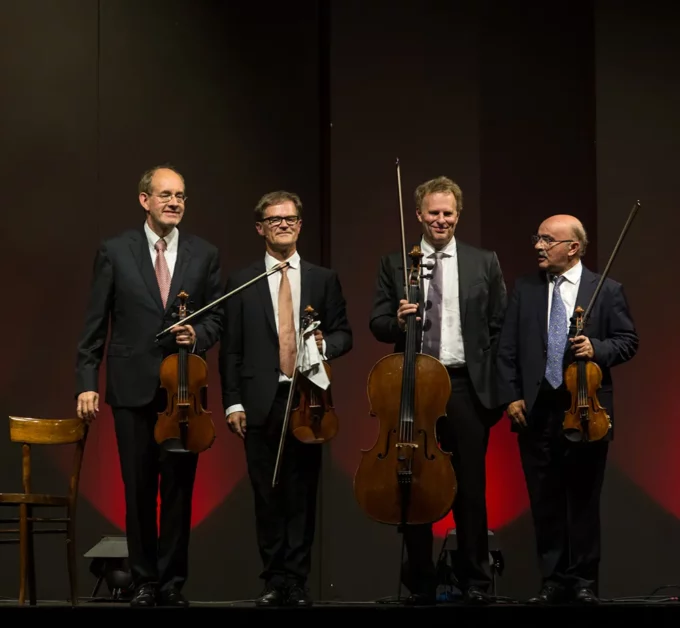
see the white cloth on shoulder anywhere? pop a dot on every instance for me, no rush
(310, 361)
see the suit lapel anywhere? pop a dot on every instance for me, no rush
(183, 259)
(139, 246)
(586, 289)
(466, 272)
(542, 308)
(305, 287)
(265, 295)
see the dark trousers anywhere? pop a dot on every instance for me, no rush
(285, 516)
(465, 433)
(564, 481)
(157, 554)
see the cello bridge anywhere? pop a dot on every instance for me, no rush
(411, 445)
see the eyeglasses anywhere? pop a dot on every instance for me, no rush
(165, 197)
(274, 221)
(547, 240)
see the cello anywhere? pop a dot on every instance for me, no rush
(586, 420)
(406, 478)
(185, 425)
(312, 420)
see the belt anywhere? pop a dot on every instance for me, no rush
(458, 371)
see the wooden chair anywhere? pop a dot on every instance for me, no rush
(30, 432)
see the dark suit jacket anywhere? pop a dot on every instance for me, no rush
(483, 300)
(249, 351)
(523, 346)
(125, 292)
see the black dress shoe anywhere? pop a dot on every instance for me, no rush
(549, 594)
(586, 596)
(172, 597)
(145, 595)
(474, 595)
(271, 597)
(298, 597)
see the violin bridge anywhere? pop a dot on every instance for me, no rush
(411, 445)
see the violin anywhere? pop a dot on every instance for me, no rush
(312, 420)
(586, 420)
(406, 478)
(185, 425)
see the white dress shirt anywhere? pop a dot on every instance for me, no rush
(568, 291)
(171, 240)
(452, 350)
(295, 287)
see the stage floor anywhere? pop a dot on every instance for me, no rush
(654, 612)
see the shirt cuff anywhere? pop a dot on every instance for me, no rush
(235, 408)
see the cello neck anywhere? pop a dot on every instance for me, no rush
(408, 374)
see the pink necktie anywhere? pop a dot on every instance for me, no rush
(287, 348)
(162, 270)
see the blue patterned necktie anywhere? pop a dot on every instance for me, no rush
(433, 308)
(558, 332)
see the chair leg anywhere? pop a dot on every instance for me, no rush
(71, 558)
(30, 567)
(23, 553)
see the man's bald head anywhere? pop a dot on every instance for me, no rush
(569, 227)
(562, 242)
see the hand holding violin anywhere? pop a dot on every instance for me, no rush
(582, 347)
(184, 335)
(318, 336)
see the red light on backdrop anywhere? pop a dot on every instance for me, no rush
(506, 493)
(220, 468)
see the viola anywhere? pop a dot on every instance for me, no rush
(312, 419)
(184, 425)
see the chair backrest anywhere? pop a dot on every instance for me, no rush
(31, 431)
(46, 431)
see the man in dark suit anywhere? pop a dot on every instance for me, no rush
(257, 358)
(564, 477)
(137, 276)
(464, 303)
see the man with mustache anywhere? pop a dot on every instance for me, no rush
(463, 299)
(137, 277)
(564, 478)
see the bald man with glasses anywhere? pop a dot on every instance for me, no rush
(564, 476)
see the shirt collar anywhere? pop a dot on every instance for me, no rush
(573, 275)
(153, 237)
(448, 251)
(270, 261)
